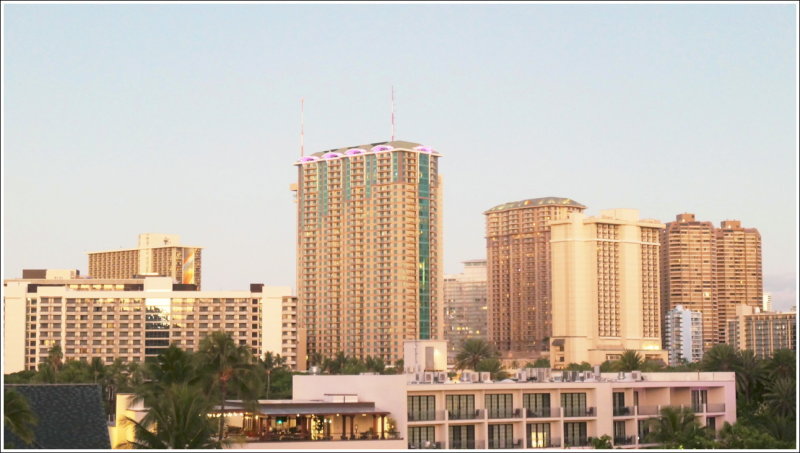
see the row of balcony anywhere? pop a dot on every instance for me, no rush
(552, 412)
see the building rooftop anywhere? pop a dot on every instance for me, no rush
(69, 416)
(545, 201)
(369, 148)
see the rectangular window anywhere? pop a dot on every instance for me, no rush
(461, 437)
(699, 400)
(539, 436)
(574, 404)
(461, 407)
(575, 434)
(536, 404)
(421, 437)
(421, 408)
(501, 436)
(500, 406)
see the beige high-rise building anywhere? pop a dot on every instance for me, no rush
(689, 272)
(130, 319)
(519, 273)
(762, 333)
(739, 274)
(605, 287)
(369, 248)
(465, 306)
(156, 254)
(710, 270)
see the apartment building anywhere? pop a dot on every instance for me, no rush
(130, 319)
(519, 273)
(684, 335)
(156, 254)
(710, 270)
(605, 287)
(465, 306)
(369, 248)
(762, 332)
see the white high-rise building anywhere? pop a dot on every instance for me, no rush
(766, 305)
(683, 333)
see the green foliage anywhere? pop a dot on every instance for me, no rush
(602, 443)
(583, 366)
(17, 416)
(493, 366)
(541, 362)
(630, 361)
(721, 357)
(740, 436)
(678, 428)
(472, 351)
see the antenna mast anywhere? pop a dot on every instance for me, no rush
(392, 112)
(302, 134)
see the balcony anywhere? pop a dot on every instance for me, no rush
(425, 445)
(623, 411)
(426, 416)
(505, 413)
(466, 445)
(576, 442)
(543, 412)
(579, 412)
(465, 415)
(546, 443)
(629, 440)
(646, 410)
(503, 444)
(715, 407)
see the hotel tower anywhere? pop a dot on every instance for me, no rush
(369, 248)
(518, 255)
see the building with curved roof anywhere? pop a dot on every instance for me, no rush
(518, 255)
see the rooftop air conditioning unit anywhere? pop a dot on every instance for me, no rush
(486, 376)
(466, 376)
(418, 377)
(637, 375)
(428, 378)
(522, 376)
(441, 377)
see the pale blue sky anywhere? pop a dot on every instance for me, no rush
(183, 119)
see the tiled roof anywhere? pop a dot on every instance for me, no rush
(532, 202)
(69, 416)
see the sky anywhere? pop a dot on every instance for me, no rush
(184, 119)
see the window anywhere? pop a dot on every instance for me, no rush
(501, 436)
(539, 436)
(699, 400)
(460, 407)
(421, 436)
(421, 408)
(536, 404)
(574, 404)
(500, 406)
(575, 434)
(461, 436)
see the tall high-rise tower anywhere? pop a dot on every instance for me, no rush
(710, 270)
(369, 248)
(465, 304)
(605, 287)
(518, 255)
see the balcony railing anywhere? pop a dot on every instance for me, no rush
(579, 411)
(464, 415)
(467, 444)
(576, 441)
(423, 416)
(629, 440)
(647, 410)
(426, 445)
(715, 407)
(505, 413)
(504, 444)
(552, 442)
(543, 412)
(623, 411)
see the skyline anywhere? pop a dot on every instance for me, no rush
(126, 119)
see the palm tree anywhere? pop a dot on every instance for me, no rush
(721, 357)
(630, 361)
(178, 419)
(678, 428)
(493, 366)
(473, 350)
(230, 369)
(750, 375)
(17, 416)
(271, 362)
(782, 364)
(55, 358)
(781, 397)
